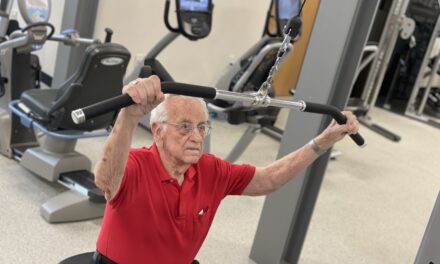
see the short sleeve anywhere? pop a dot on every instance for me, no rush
(132, 175)
(236, 177)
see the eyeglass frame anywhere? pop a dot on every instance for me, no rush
(188, 131)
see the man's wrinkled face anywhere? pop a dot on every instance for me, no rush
(181, 136)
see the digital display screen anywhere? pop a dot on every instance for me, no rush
(288, 8)
(37, 3)
(194, 5)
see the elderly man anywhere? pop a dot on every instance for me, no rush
(161, 200)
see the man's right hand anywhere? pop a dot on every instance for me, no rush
(146, 93)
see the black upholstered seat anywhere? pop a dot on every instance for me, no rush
(40, 102)
(98, 77)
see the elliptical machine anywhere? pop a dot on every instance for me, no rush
(194, 21)
(53, 157)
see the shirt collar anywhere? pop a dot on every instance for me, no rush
(164, 176)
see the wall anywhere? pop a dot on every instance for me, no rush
(138, 25)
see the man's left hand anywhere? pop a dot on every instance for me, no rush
(335, 132)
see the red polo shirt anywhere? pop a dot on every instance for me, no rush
(154, 220)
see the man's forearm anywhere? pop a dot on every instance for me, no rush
(284, 169)
(110, 167)
(270, 178)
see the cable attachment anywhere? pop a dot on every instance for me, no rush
(267, 85)
(291, 32)
(260, 100)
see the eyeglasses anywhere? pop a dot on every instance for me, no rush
(186, 128)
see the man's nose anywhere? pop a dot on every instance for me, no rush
(196, 135)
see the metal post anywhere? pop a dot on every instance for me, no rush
(79, 15)
(334, 52)
(428, 251)
(411, 106)
(385, 51)
(428, 88)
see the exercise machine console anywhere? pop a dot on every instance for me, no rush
(194, 23)
(194, 18)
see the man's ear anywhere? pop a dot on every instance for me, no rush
(157, 131)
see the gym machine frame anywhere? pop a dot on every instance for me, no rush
(395, 24)
(412, 110)
(428, 250)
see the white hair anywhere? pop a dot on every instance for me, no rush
(160, 112)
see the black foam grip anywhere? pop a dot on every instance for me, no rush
(165, 18)
(124, 100)
(294, 25)
(107, 106)
(336, 114)
(189, 90)
(108, 35)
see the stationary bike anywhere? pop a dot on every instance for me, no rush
(24, 108)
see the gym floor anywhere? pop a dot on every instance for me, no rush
(373, 207)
